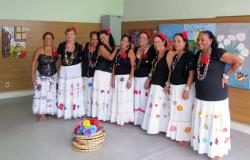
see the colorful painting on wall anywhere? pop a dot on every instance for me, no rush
(192, 30)
(233, 37)
(13, 41)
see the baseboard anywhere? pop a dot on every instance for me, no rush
(245, 128)
(13, 94)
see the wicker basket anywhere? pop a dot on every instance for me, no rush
(86, 144)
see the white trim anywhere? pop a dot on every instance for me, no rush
(5, 95)
(245, 128)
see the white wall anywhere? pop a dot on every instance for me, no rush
(60, 10)
(139, 10)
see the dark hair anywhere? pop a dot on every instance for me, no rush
(164, 40)
(48, 33)
(184, 39)
(211, 36)
(143, 32)
(111, 39)
(93, 33)
(70, 29)
(126, 35)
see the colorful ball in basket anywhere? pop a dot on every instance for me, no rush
(88, 135)
(86, 123)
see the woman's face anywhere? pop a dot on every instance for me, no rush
(48, 40)
(70, 36)
(94, 40)
(125, 42)
(104, 39)
(158, 43)
(204, 42)
(143, 39)
(179, 43)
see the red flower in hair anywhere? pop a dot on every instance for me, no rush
(108, 30)
(148, 34)
(162, 36)
(73, 28)
(54, 53)
(205, 58)
(184, 35)
(124, 55)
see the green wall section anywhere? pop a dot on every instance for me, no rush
(60, 10)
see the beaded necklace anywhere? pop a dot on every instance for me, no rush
(201, 76)
(69, 55)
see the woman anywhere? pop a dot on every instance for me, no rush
(182, 91)
(211, 116)
(89, 61)
(122, 83)
(44, 78)
(145, 54)
(157, 110)
(70, 93)
(101, 107)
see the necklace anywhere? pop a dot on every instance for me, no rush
(69, 54)
(143, 56)
(201, 76)
(91, 59)
(156, 60)
(119, 56)
(176, 60)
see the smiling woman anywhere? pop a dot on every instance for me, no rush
(44, 78)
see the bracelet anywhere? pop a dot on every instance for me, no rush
(150, 76)
(186, 88)
(167, 84)
(225, 76)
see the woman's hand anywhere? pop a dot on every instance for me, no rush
(224, 82)
(33, 80)
(147, 84)
(185, 94)
(166, 89)
(128, 84)
(113, 82)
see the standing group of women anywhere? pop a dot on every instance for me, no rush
(176, 92)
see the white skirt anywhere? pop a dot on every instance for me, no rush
(102, 99)
(211, 127)
(44, 97)
(70, 92)
(157, 111)
(140, 99)
(123, 101)
(87, 94)
(179, 126)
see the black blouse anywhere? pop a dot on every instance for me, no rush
(122, 63)
(47, 65)
(161, 71)
(70, 58)
(104, 64)
(143, 65)
(89, 61)
(210, 88)
(180, 68)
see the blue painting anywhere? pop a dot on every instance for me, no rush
(171, 29)
(194, 29)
